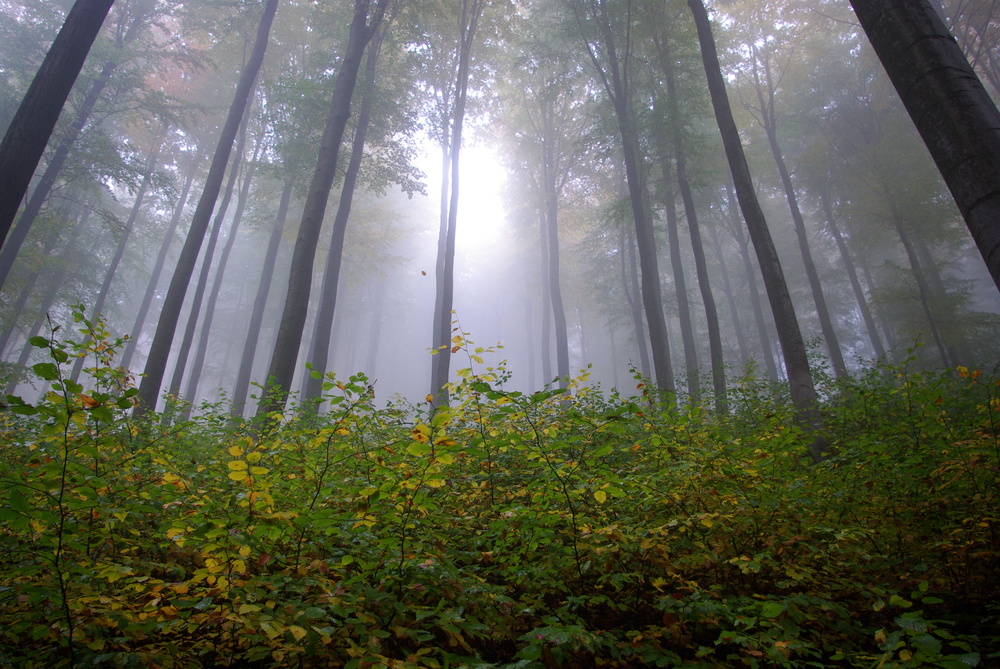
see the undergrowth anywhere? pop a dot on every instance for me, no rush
(510, 530)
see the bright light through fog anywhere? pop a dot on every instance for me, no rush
(480, 209)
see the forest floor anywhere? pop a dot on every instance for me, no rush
(574, 529)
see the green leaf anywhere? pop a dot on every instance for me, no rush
(416, 449)
(39, 342)
(47, 371)
(771, 609)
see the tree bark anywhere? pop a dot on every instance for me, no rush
(32, 125)
(149, 388)
(281, 371)
(949, 106)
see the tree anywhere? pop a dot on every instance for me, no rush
(32, 125)
(793, 348)
(611, 56)
(364, 25)
(149, 387)
(949, 106)
(470, 11)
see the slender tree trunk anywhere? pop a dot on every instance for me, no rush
(161, 259)
(793, 348)
(281, 371)
(198, 365)
(952, 111)
(149, 388)
(727, 288)
(35, 119)
(323, 328)
(242, 386)
(630, 286)
(852, 275)
(375, 329)
(441, 363)
(546, 300)
(677, 266)
(550, 218)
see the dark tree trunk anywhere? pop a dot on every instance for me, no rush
(323, 328)
(161, 259)
(441, 363)
(48, 179)
(36, 117)
(952, 111)
(793, 348)
(149, 388)
(286, 348)
(242, 387)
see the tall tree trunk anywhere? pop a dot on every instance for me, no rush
(727, 288)
(793, 348)
(677, 266)
(546, 300)
(550, 190)
(323, 328)
(149, 388)
(35, 119)
(852, 275)
(198, 364)
(161, 259)
(242, 387)
(700, 262)
(112, 269)
(286, 348)
(630, 286)
(441, 363)
(952, 111)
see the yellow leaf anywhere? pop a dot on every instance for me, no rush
(237, 465)
(600, 496)
(429, 398)
(238, 475)
(445, 441)
(297, 632)
(245, 551)
(445, 458)
(707, 522)
(435, 483)
(235, 451)
(254, 456)
(476, 358)
(258, 471)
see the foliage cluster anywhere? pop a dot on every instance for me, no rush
(516, 530)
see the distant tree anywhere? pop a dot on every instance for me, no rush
(955, 116)
(32, 125)
(149, 387)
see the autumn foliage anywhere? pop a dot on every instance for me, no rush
(571, 529)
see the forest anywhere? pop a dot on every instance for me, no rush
(500, 333)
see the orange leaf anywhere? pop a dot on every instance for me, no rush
(88, 400)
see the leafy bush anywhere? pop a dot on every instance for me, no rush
(517, 530)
